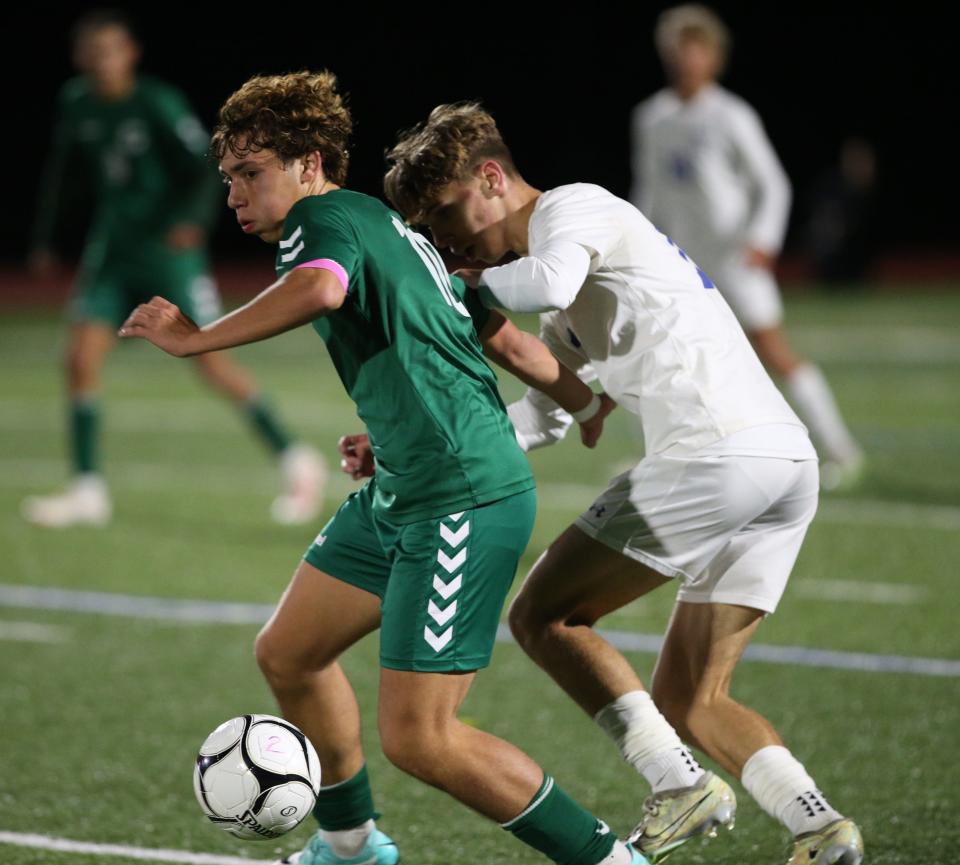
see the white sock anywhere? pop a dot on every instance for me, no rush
(782, 787)
(812, 398)
(347, 843)
(648, 743)
(619, 855)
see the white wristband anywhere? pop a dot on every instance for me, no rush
(587, 411)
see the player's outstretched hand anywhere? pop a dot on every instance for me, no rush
(356, 456)
(162, 323)
(591, 430)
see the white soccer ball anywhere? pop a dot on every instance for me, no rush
(257, 777)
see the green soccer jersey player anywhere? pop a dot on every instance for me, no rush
(155, 194)
(426, 551)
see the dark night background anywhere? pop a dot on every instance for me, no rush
(561, 90)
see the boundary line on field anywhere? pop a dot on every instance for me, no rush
(150, 854)
(238, 613)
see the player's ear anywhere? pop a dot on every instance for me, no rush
(491, 178)
(312, 167)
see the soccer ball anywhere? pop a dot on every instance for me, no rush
(257, 777)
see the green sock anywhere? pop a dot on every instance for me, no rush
(267, 426)
(345, 805)
(560, 829)
(83, 431)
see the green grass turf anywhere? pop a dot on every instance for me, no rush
(99, 731)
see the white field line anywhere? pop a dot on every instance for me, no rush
(258, 480)
(64, 845)
(859, 591)
(33, 632)
(216, 612)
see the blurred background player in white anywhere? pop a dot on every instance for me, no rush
(156, 197)
(721, 501)
(706, 175)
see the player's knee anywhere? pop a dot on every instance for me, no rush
(413, 747)
(282, 669)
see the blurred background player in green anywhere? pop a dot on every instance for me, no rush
(156, 199)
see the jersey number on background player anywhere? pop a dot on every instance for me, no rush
(434, 264)
(707, 282)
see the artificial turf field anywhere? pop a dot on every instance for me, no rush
(101, 714)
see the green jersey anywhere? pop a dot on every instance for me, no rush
(406, 348)
(146, 155)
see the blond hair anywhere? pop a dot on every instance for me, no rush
(452, 142)
(691, 20)
(291, 114)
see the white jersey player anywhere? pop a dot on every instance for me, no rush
(720, 502)
(706, 174)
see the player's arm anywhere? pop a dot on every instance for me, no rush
(535, 283)
(297, 298)
(194, 199)
(51, 189)
(768, 221)
(565, 397)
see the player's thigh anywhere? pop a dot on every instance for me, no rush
(751, 568)
(183, 277)
(418, 705)
(89, 341)
(100, 296)
(317, 619)
(751, 292)
(703, 644)
(448, 583)
(668, 516)
(335, 596)
(578, 580)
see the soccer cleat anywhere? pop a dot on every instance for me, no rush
(304, 483)
(675, 816)
(638, 857)
(378, 850)
(837, 843)
(85, 501)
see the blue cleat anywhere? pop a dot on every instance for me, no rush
(379, 850)
(638, 857)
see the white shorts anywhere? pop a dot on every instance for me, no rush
(752, 292)
(730, 527)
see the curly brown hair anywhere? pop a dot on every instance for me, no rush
(292, 115)
(453, 141)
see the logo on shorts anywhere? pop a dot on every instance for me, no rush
(320, 540)
(454, 539)
(597, 509)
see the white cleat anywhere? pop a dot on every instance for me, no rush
(673, 817)
(85, 501)
(838, 843)
(305, 477)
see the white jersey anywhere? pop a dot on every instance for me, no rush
(646, 322)
(706, 174)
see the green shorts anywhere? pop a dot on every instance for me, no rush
(109, 286)
(441, 582)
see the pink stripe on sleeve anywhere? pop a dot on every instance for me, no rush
(331, 265)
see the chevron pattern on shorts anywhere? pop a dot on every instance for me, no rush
(451, 556)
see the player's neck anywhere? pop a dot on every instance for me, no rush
(516, 229)
(115, 89)
(687, 91)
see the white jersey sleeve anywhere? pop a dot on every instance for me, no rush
(537, 419)
(768, 220)
(535, 283)
(642, 164)
(569, 238)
